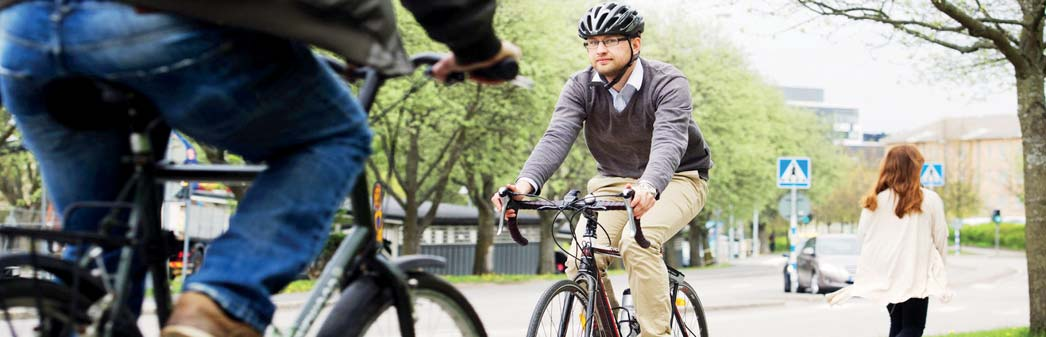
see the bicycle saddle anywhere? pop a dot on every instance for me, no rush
(86, 103)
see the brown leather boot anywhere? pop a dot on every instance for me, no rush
(196, 315)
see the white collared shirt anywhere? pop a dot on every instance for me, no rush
(635, 80)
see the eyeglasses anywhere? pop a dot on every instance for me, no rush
(611, 42)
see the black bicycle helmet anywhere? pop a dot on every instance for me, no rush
(610, 19)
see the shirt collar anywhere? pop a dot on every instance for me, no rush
(635, 79)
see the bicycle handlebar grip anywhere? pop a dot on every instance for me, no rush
(516, 235)
(640, 239)
(506, 203)
(506, 70)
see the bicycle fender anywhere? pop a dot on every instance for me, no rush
(66, 271)
(416, 262)
(343, 317)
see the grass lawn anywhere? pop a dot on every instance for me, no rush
(1008, 332)
(306, 285)
(301, 286)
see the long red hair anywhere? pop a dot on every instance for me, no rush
(900, 172)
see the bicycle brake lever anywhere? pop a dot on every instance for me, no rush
(633, 223)
(505, 198)
(628, 194)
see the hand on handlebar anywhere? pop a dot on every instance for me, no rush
(449, 64)
(642, 202)
(520, 189)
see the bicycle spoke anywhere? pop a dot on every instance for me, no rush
(432, 314)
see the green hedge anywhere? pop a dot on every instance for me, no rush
(1009, 332)
(1011, 236)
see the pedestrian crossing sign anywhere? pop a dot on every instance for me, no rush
(793, 172)
(932, 175)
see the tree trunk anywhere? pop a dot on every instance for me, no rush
(697, 242)
(669, 252)
(1032, 114)
(411, 234)
(484, 261)
(547, 256)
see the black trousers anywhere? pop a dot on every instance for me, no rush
(908, 318)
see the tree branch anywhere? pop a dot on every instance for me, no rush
(7, 134)
(978, 29)
(909, 27)
(450, 142)
(872, 14)
(997, 22)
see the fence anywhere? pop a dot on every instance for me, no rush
(509, 258)
(23, 218)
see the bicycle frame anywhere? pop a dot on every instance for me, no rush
(598, 299)
(589, 274)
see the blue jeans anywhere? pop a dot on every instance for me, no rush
(267, 99)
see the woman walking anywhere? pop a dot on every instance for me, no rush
(904, 241)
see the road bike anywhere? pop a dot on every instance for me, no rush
(582, 306)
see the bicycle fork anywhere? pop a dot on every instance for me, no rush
(598, 306)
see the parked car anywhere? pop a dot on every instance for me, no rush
(827, 262)
(787, 271)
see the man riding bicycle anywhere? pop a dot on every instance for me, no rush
(636, 114)
(267, 98)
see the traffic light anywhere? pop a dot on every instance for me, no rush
(807, 218)
(996, 216)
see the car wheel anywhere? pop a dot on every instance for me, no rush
(815, 283)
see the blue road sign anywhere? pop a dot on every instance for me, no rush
(932, 175)
(793, 172)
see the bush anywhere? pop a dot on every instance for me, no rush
(1011, 236)
(316, 268)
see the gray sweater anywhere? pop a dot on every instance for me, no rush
(651, 139)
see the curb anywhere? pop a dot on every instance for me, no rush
(742, 306)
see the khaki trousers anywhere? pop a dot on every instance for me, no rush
(647, 275)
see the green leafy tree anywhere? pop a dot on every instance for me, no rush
(499, 148)
(20, 182)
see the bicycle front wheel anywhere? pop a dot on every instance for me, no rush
(560, 312)
(688, 317)
(366, 309)
(30, 307)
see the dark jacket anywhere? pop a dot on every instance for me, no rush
(362, 31)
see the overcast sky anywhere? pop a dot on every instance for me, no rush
(853, 62)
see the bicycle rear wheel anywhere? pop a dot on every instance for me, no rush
(688, 317)
(366, 309)
(560, 312)
(30, 308)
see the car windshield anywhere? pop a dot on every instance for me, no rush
(838, 246)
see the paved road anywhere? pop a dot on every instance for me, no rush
(746, 299)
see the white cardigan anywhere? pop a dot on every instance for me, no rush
(901, 258)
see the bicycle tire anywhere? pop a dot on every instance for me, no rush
(688, 305)
(366, 309)
(20, 299)
(31, 307)
(546, 312)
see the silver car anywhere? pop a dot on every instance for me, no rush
(827, 262)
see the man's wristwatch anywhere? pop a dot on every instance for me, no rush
(647, 187)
